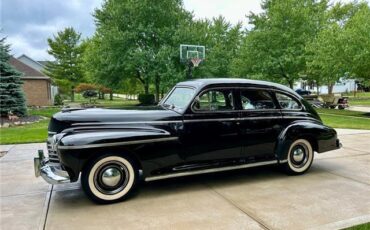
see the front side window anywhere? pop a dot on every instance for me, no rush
(214, 100)
(287, 102)
(179, 98)
(256, 99)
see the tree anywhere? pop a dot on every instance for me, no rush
(131, 38)
(342, 46)
(67, 50)
(11, 93)
(275, 47)
(357, 36)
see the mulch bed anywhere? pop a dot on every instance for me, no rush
(5, 122)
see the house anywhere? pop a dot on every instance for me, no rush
(36, 85)
(39, 66)
(343, 85)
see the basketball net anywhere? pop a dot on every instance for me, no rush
(196, 61)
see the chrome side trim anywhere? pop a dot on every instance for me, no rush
(126, 123)
(203, 171)
(118, 143)
(194, 120)
(283, 161)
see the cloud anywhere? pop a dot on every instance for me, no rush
(28, 24)
(234, 11)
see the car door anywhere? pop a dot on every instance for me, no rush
(211, 128)
(260, 123)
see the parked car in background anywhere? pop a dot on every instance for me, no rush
(303, 92)
(201, 126)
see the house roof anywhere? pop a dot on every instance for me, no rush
(28, 72)
(43, 63)
(23, 56)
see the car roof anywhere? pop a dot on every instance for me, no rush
(203, 82)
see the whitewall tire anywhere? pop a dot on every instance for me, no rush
(109, 178)
(300, 157)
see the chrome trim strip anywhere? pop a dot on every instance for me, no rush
(118, 143)
(203, 171)
(126, 122)
(195, 120)
(283, 161)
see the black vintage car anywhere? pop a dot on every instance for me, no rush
(201, 126)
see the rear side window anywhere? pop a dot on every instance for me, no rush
(256, 99)
(287, 102)
(214, 100)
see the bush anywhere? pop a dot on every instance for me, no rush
(58, 100)
(89, 94)
(146, 99)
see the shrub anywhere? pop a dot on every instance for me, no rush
(146, 99)
(58, 100)
(84, 87)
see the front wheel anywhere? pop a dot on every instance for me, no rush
(109, 178)
(300, 157)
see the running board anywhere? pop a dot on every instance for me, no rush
(203, 171)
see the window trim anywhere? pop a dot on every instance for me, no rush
(164, 99)
(214, 111)
(269, 91)
(301, 106)
(234, 89)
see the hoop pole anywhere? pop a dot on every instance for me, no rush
(189, 71)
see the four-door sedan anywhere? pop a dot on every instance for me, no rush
(201, 126)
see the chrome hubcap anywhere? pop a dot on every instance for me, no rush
(111, 177)
(298, 155)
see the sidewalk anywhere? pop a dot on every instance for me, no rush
(333, 194)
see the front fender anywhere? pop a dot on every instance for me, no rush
(77, 148)
(321, 137)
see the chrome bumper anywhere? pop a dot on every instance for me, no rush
(50, 172)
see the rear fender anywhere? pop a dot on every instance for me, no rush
(316, 133)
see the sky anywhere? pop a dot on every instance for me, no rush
(27, 24)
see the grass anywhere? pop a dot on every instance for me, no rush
(365, 226)
(345, 118)
(30, 133)
(37, 132)
(361, 98)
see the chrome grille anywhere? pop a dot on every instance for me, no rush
(53, 156)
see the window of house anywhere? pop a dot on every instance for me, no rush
(256, 99)
(214, 100)
(287, 102)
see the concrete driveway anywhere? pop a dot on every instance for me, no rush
(334, 194)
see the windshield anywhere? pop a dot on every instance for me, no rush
(179, 98)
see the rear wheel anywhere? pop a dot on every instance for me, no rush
(300, 157)
(109, 178)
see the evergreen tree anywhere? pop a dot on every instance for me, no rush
(11, 93)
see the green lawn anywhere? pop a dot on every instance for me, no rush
(362, 98)
(36, 132)
(365, 226)
(345, 118)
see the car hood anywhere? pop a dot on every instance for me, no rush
(67, 118)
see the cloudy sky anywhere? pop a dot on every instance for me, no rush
(27, 24)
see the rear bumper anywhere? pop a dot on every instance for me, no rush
(50, 172)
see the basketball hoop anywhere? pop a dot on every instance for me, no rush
(196, 61)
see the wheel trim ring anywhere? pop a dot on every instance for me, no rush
(99, 184)
(309, 156)
(120, 194)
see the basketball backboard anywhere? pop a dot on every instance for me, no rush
(188, 52)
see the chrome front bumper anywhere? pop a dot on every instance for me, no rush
(50, 172)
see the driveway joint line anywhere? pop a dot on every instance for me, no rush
(348, 178)
(47, 208)
(259, 222)
(348, 156)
